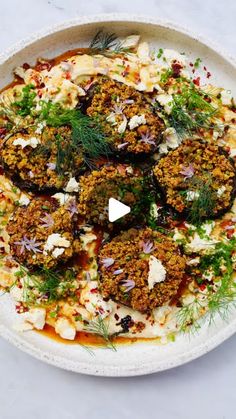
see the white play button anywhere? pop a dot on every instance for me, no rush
(116, 210)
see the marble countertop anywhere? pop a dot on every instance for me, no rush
(206, 387)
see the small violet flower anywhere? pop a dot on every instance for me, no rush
(107, 262)
(28, 244)
(147, 138)
(118, 272)
(51, 166)
(123, 145)
(72, 207)
(47, 221)
(128, 284)
(148, 247)
(188, 172)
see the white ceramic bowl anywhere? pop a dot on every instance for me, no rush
(140, 358)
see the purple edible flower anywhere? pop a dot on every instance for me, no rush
(188, 172)
(51, 166)
(118, 108)
(123, 145)
(107, 262)
(118, 272)
(148, 247)
(72, 207)
(28, 244)
(129, 284)
(128, 101)
(147, 138)
(47, 221)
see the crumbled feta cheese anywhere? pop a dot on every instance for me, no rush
(91, 298)
(232, 152)
(55, 240)
(31, 142)
(130, 170)
(40, 127)
(166, 101)
(171, 55)
(137, 120)
(171, 141)
(131, 41)
(208, 275)
(24, 200)
(221, 191)
(87, 238)
(36, 317)
(198, 244)
(191, 195)
(65, 329)
(58, 251)
(163, 149)
(17, 293)
(226, 97)
(143, 52)
(194, 261)
(62, 197)
(178, 235)
(72, 185)
(157, 272)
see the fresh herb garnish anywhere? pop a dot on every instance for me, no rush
(197, 63)
(25, 105)
(219, 300)
(87, 134)
(103, 41)
(191, 110)
(100, 328)
(107, 44)
(160, 53)
(46, 285)
(166, 75)
(204, 201)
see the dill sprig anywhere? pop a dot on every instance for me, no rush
(203, 205)
(103, 41)
(100, 328)
(87, 136)
(86, 132)
(219, 301)
(191, 110)
(107, 44)
(46, 285)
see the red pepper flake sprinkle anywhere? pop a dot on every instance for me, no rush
(208, 74)
(176, 68)
(191, 64)
(26, 66)
(94, 290)
(68, 75)
(197, 81)
(202, 287)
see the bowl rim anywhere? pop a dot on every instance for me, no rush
(114, 17)
(116, 370)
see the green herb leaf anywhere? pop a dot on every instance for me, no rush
(27, 103)
(100, 328)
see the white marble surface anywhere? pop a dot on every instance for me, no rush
(203, 389)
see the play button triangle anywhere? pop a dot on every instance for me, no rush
(116, 210)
